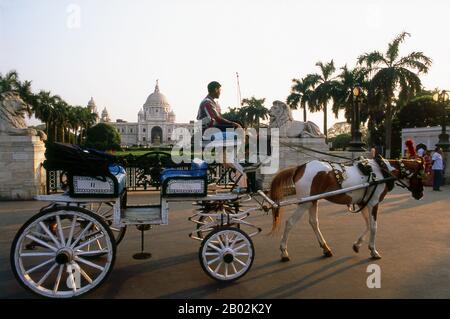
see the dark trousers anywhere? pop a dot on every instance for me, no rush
(437, 180)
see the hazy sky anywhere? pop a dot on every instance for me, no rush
(115, 50)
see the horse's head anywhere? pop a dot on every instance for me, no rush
(411, 170)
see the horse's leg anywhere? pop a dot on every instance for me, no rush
(373, 211)
(357, 244)
(314, 222)
(296, 216)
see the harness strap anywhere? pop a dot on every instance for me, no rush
(371, 176)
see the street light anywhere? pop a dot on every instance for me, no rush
(443, 97)
(356, 145)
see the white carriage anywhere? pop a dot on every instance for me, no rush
(69, 247)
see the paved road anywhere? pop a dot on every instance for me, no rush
(413, 237)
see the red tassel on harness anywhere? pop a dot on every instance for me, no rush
(411, 150)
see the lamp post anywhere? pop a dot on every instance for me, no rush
(442, 97)
(356, 145)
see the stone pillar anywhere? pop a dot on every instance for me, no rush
(22, 175)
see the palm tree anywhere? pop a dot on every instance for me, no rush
(343, 96)
(301, 92)
(254, 111)
(324, 86)
(9, 81)
(44, 110)
(394, 77)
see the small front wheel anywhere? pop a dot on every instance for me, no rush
(226, 254)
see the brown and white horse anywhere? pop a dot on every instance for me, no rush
(317, 177)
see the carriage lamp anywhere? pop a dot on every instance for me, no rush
(442, 98)
(356, 144)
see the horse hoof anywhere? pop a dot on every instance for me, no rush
(285, 259)
(375, 257)
(355, 248)
(328, 253)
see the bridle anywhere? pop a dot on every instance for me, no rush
(404, 173)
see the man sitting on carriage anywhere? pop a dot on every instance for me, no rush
(209, 110)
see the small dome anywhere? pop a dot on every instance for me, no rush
(156, 99)
(91, 102)
(105, 112)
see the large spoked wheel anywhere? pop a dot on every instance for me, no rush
(226, 254)
(49, 254)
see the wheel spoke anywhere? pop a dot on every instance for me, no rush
(29, 271)
(37, 254)
(72, 228)
(212, 254)
(91, 252)
(60, 230)
(240, 247)
(49, 233)
(220, 242)
(218, 267)
(84, 261)
(226, 270)
(214, 247)
(240, 262)
(84, 274)
(234, 268)
(81, 234)
(58, 279)
(41, 281)
(99, 244)
(43, 243)
(212, 261)
(241, 254)
(89, 242)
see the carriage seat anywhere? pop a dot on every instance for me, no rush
(182, 183)
(198, 169)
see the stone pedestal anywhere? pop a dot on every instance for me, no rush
(22, 175)
(290, 154)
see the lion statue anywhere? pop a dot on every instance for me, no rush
(12, 117)
(281, 117)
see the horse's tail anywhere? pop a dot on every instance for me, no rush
(278, 188)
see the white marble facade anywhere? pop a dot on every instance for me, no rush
(156, 122)
(426, 135)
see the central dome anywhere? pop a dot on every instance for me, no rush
(156, 99)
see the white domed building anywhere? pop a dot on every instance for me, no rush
(156, 122)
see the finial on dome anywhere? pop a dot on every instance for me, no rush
(157, 86)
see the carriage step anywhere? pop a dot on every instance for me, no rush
(142, 214)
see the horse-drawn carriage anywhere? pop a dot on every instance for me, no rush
(69, 247)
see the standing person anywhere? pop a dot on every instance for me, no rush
(428, 179)
(437, 163)
(421, 150)
(209, 110)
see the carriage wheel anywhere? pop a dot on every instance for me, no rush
(226, 254)
(57, 265)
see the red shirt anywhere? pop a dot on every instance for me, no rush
(209, 112)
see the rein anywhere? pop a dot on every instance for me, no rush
(296, 148)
